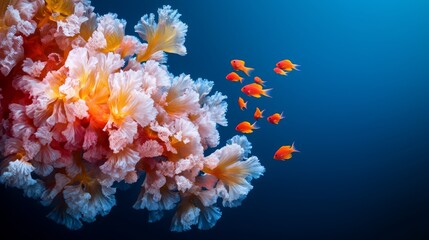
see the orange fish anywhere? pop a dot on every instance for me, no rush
(259, 81)
(279, 71)
(285, 152)
(239, 65)
(246, 127)
(241, 103)
(234, 77)
(255, 90)
(287, 65)
(258, 114)
(275, 118)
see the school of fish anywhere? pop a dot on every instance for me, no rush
(256, 90)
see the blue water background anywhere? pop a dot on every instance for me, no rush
(357, 110)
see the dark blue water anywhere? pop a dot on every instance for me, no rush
(358, 111)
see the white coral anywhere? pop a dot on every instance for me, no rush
(167, 35)
(18, 174)
(108, 110)
(118, 165)
(236, 173)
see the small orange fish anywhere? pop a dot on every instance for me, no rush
(287, 65)
(234, 77)
(258, 114)
(275, 118)
(255, 90)
(285, 152)
(239, 65)
(279, 71)
(246, 127)
(241, 103)
(259, 81)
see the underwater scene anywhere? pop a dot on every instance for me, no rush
(214, 119)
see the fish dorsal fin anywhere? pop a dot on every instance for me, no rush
(283, 148)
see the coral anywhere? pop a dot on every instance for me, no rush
(85, 107)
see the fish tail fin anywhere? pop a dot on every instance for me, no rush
(241, 80)
(293, 148)
(281, 116)
(295, 67)
(245, 105)
(248, 70)
(254, 126)
(266, 92)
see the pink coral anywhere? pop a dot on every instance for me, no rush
(85, 106)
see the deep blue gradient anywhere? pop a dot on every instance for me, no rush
(357, 110)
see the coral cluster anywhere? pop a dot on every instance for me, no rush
(85, 106)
